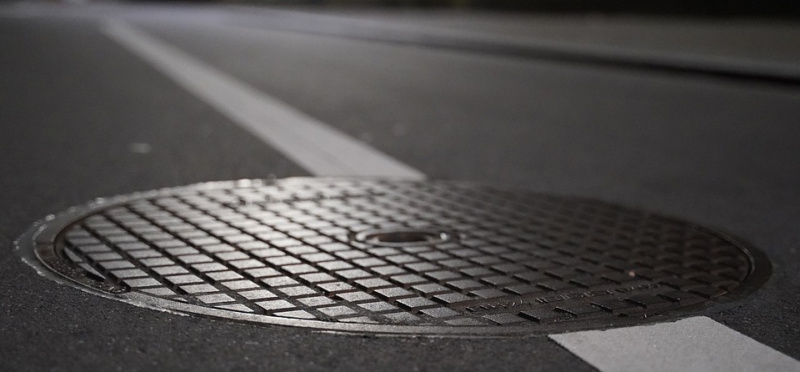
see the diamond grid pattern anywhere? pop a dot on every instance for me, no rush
(286, 249)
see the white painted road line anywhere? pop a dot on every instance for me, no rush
(693, 344)
(313, 145)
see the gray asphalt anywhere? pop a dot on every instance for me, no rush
(754, 38)
(73, 106)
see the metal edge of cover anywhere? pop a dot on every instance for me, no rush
(41, 239)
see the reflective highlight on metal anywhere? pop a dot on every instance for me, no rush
(397, 257)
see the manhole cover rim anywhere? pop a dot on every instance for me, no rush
(43, 235)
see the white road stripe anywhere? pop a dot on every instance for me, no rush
(693, 344)
(318, 148)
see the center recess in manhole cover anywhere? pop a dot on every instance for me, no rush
(393, 257)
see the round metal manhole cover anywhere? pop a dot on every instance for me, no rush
(394, 257)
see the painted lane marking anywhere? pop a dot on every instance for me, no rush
(313, 145)
(693, 344)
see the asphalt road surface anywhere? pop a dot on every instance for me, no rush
(695, 119)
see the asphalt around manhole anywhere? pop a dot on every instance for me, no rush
(402, 257)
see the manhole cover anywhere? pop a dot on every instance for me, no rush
(394, 257)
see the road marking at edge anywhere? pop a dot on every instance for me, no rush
(693, 344)
(315, 146)
(697, 343)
